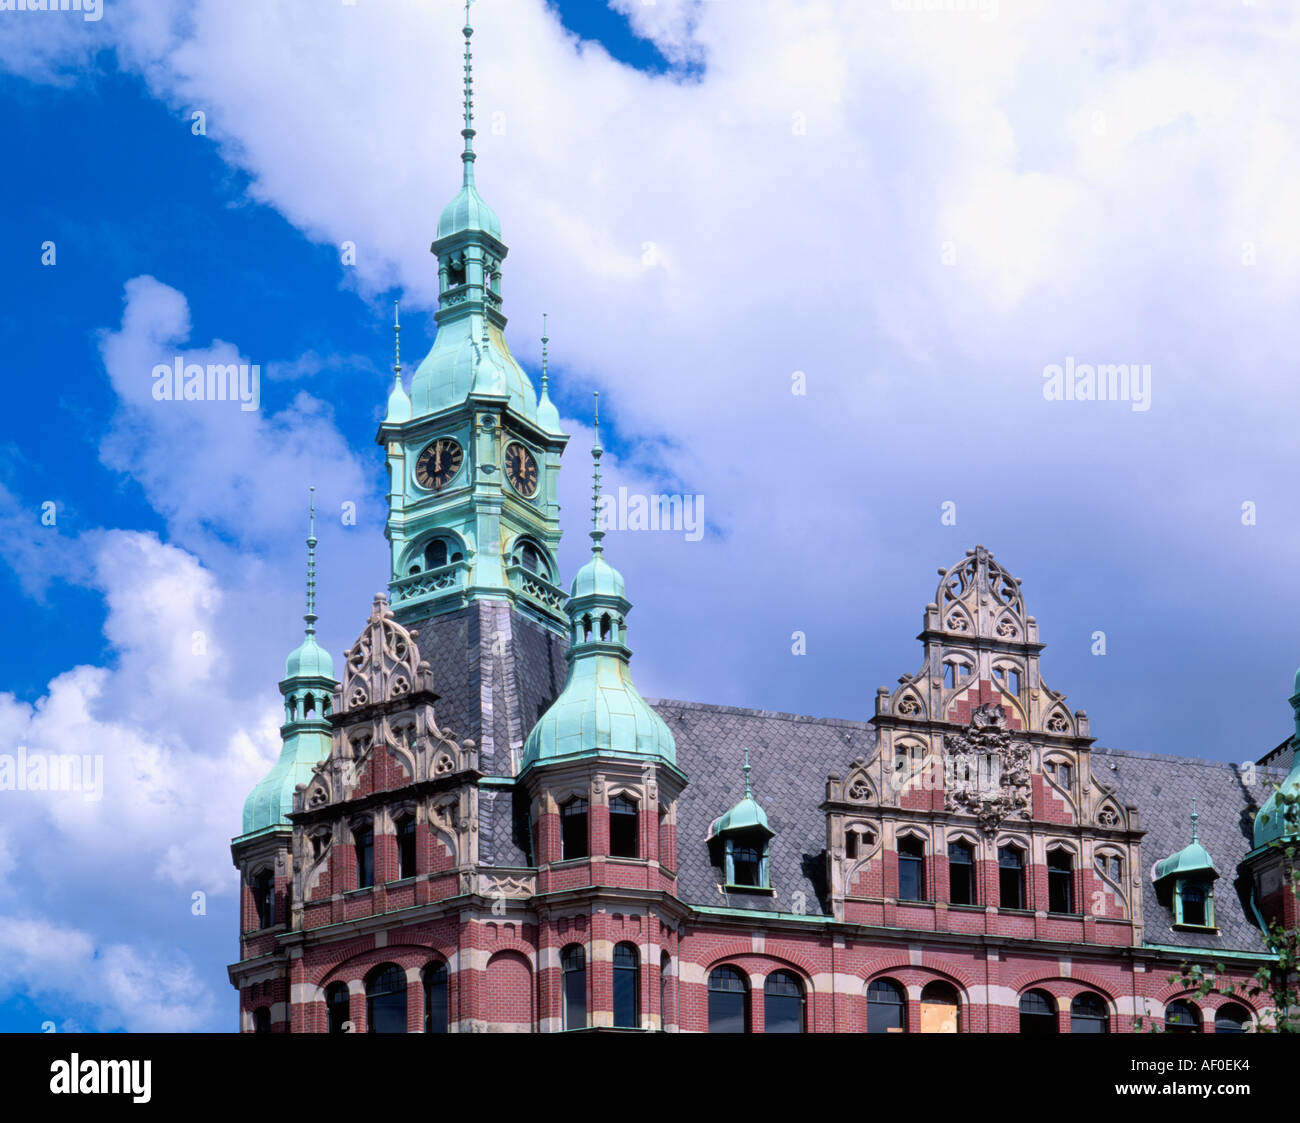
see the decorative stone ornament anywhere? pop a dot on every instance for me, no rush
(986, 771)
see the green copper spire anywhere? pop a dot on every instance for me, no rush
(599, 712)
(1277, 821)
(548, 417)
(308, 686)
(399, 405)
(467, 157)
(745, 815)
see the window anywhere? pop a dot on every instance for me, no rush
(886, 1007)
(1008, 678)
(435, 998)
(1011, 877)
(573, 829)
(1194, 904)
(954, 673)
(1088, 1014)
(531, 559)
(961, 873)
(264, 898)
(665, 973)
(386, 999)
(1037, 1012)
(1182, 1017)
(1060, 881)
(336, 1007)
(783, 1003)
(405, 846)
(573, 964)
(262, 1019)
(745, 865)
(1231, 1018)
(627, 992)
(1111, 866)
(364, 837)
(622, 827)
(435, 554)
(911, 869)
(1065, 774)
(728, 1001)
(940, 1009)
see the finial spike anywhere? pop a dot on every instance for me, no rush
(397, 341)
(467, 156)
(1195, 816)
(748, 792)
(545, 341)
(310, 616)
(596, 533)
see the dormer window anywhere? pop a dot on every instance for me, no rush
(1193, 903)
(745, 863)
(740, 841)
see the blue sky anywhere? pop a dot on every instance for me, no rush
(921, 212)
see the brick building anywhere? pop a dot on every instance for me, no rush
(480, 825)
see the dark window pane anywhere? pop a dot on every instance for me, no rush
(1231, 1018)
(574, 965)
(264, 898)
(262, 1020)
(435, 554)
(961, 873)
(336, 1005)
(782, 1004)
(1060, 881)
(622, 827)
(386, 1000)
(573, 829)
(911, 870)
(1088, 1014)
(406, 846)
(1037, 1012)
(728, 1002)
(1182, 1017)
(886, 1007)
(365, 840)
(1011, 877)
(1193, 894)
(745, 865)
(435, 998)
(627, 998)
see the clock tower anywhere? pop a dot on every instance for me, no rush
(473, 456)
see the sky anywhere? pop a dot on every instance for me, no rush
(821, 258)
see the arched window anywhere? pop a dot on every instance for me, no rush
(573, 965)
(886, 1007)
(1088, 1014)
(264, 898)
(435, 554)
(1037, 1012)
(262, 1019)
(622, 827)
(1060, 881)
(1011, 877)
(336, 1007)
(405, 829)
(665, 991)
(783, 1003)
(364, 837)
(1182, 1017)
(940, 1009)
(309, 707)
(531, 559)
(386, 999)
(435, 997)
(961, 873)
(911, 869)
(573, 828)
(1231, 1017)
(604, 627)
(728, 1001)
(627, 991)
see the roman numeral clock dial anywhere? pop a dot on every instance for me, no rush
(438, 464)
(521, 469)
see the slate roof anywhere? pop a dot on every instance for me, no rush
(792, 754)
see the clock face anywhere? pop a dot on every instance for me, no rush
(438, 464)
(521, 469)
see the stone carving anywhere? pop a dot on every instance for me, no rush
(986, 772)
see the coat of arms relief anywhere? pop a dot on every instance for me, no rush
(986, 772)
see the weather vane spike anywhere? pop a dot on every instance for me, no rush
(747, 788)
(596, 533)
(468, 131)
(545, 341)
(397, 341)
(310, 617)
(1195, 816)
